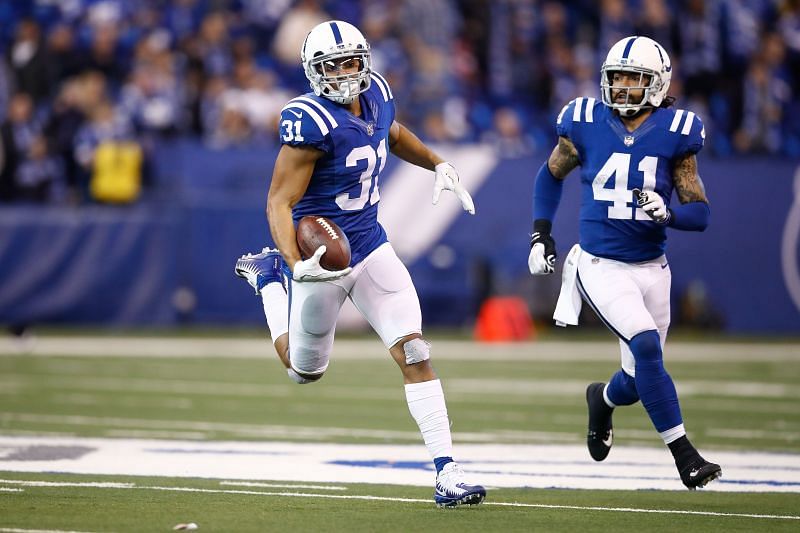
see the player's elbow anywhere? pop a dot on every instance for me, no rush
(276, 205)
(704, 216)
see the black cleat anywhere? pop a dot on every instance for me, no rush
(698, 472)
(601, 435)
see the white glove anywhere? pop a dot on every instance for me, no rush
(310, 269)
(538, 264)
(652, 204)
(447, 179)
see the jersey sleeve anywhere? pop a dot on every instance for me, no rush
(304, 123)
(691, 131)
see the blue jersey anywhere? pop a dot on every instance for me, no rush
(344, 184)
(615, 161)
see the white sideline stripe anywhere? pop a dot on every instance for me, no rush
(98, 484)
(17, 530)
(9, 489)
(635, 510)
(350, 349)
(279, 486)
(312, 113)
(428, 501)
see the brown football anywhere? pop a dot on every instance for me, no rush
(313, 232)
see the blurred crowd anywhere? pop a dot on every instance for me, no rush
(88, 88)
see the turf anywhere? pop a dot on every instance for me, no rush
(731, 405)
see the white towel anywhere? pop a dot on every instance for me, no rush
(569, 302)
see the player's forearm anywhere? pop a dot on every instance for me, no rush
(283, 232)
(546, 194)
(690, 217)
(408, 147)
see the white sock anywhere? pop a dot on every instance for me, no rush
(426, 403)
(276, 309)
(673, 434)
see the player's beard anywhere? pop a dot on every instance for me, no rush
(624, 96)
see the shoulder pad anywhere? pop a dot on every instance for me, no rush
(578, 110)
(383, 86)
(305, 121)
(690, 130)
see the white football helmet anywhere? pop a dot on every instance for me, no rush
(642, 56)
(326, 43)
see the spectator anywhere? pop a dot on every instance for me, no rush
(28, 59)
(39, 175)
(766, 94)
(294, 26)
(110, 158)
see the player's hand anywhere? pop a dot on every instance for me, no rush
(447, 180)
(652, 204)
(542, 259)
(310, 269)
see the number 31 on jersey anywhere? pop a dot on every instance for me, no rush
(618, 166)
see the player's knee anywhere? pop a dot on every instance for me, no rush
(416, 351)
(303, 378)
(646, 347)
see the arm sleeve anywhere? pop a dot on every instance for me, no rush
(546, 194)
(689, 217)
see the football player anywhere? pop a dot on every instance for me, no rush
(335, 142)
(633, 150)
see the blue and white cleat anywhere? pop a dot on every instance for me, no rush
(452, 490)
(261, 269)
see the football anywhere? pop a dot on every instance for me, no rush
(313, 232)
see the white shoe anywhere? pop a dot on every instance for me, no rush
(453, 490)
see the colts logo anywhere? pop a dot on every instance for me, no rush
(790, 246)
(628, 140)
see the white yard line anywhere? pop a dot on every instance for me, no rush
(121, 346)
(279, 486)
(424, 501)
(18, 530)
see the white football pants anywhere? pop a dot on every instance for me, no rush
(628, 297)
(381, 289)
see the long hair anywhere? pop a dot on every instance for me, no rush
(667, 102)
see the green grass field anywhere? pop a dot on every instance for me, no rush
(735, 403)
